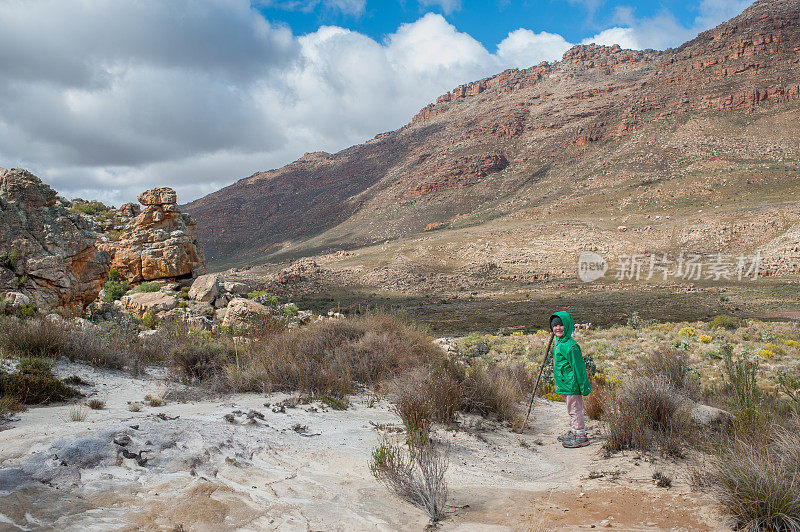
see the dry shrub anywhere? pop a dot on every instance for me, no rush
(424, 396)
(647, 415)
(495, 389)
(35, 338)
(758, 484)
(597, 402)
(335, 356)
(10, 405)
(416, 474)
(672, 365)
(199, 361)
(96, 404)
(113, 345)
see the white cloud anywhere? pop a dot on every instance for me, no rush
(523, 48)
(714, 12)
(663, 30)
(625, 37)
(105, 99)
(447, 6)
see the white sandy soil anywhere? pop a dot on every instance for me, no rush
(204, 472)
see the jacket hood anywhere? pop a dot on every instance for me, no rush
(566, 319)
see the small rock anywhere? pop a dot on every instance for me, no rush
(709, 416)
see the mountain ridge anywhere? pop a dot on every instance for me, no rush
(524, 143)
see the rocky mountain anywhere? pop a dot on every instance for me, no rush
(612, 150)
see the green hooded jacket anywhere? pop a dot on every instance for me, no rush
(569, 370)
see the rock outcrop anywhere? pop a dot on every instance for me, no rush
(48, 253)
(159, 243)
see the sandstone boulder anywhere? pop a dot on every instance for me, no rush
(159, 243)
(240, 310)
(205, 288)
(158, 302)
(50, 253)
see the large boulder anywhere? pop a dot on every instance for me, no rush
(240, 310)
(159, 243)
(158, 302)
(46, 252)
(205, 288)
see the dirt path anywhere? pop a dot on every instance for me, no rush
(306, 469)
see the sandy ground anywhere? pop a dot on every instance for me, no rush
(307, 469)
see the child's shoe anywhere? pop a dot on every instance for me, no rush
(577, 440)
(568, 436)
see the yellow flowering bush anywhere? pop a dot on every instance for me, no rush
(705, 338)
(691, 332)
(766, 354)
(553, 396)
(602, 378)
(791, 343)
(775, 348)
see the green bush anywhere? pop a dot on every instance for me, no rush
(114, 290)
(34, 366)
(89, 207)
(9, 258)
(789, 384)
(34, 388)
(272, 300)
(28, 311)
(336, 403)
(725, 322)
(739, 375)
(114, 275)
(148, 286)
(149, 319)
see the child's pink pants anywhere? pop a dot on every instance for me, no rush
(575, 409)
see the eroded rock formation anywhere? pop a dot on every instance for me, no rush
(48, 253)
(159, 243)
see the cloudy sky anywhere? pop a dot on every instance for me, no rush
(106, 98)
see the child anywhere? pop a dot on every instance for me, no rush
(570, 377)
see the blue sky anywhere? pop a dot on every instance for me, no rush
(488, 21)
(106, 98)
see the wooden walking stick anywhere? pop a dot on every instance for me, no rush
(536, 385)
